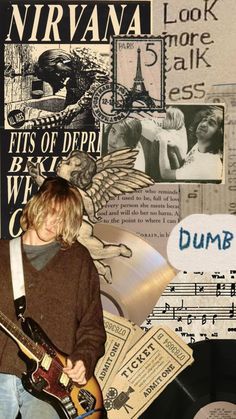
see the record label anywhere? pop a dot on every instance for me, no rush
(217, 410)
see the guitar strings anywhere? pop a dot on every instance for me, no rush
(40, 350)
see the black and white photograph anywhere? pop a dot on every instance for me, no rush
(48, 86)
(186, 145)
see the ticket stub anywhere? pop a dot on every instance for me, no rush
(158, 357)
(120, 337)
(138, 333)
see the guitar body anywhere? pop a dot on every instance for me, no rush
(46, 380)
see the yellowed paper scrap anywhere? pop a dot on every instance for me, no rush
(120, 337)
(148, 368)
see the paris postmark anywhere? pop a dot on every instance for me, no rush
(138, 63)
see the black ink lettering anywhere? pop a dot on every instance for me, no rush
(201, 57)
(208, 10)
(166, 13)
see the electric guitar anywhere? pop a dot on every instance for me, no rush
(45, 378)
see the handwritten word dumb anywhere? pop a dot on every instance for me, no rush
(203, 243)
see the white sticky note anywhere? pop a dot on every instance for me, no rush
(203, 243)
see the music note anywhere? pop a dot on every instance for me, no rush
(182, 306)
(218, 290)
(232, 273)
(232, 290)
(167, 308)
(231, 311)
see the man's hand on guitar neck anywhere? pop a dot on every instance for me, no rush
(76, 372)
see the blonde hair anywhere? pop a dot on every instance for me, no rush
(132, 129)
(56, 195)
(174, 118)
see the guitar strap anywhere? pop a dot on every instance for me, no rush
(17, 276)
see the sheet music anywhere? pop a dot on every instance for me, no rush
(198, 306)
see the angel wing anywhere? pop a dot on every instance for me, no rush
(115, 175)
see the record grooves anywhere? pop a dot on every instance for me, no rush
(209, 380)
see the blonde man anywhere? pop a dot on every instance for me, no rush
(62, 295)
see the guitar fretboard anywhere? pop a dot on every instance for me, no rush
(20, 337)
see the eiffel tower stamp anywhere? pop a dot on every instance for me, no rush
(138, 63)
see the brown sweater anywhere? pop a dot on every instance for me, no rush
(64, 298)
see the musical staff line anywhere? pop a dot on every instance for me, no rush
(189, 314)
(205, 289)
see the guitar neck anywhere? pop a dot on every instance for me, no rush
(27, 345)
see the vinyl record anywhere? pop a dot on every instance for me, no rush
(205, 390)
(138, 280)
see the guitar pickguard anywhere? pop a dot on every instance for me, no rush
(46, 384)
(46, 380)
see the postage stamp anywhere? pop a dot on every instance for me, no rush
(138, 63)
(102, 103)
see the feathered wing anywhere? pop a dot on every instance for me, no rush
(121, 158)
(116, 175)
